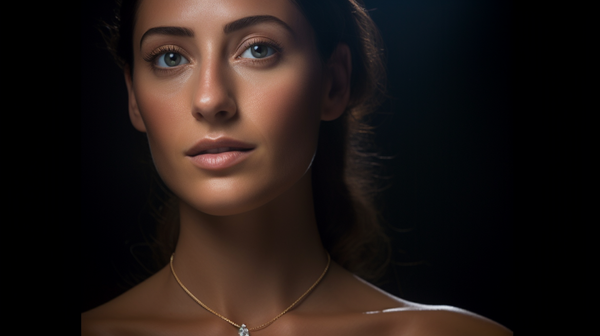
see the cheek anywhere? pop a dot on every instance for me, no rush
(279, 110)
(288, 115)
(162, 115)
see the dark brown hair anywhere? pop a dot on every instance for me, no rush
(343, 177)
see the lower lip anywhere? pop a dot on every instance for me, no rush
(219, 161)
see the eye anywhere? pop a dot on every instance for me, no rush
(170, 59)
(258, 51)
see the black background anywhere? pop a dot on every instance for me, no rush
(447, 123)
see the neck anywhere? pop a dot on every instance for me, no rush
(265, 258)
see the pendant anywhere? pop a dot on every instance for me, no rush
(243, 331)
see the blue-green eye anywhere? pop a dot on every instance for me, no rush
(258, 51)
(170, 59)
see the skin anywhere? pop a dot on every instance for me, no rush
(249, 244)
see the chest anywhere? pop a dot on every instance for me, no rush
(343, 325)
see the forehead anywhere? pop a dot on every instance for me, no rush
(212, 15)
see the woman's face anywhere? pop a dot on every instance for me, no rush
(230, 93)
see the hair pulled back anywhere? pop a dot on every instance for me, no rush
(342, 171)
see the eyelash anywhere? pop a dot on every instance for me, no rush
(262, 42)
(154, 54)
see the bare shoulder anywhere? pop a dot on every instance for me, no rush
(421, 320)
(128, 314)
(374, 311)
(103, 320)
(408, 318)
(112, 318)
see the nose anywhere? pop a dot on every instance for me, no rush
(213, 100)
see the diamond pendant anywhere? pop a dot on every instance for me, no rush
(243, 331)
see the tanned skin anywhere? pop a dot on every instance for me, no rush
(248, 244)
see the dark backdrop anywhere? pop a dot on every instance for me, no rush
(448, 125)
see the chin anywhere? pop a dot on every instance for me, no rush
(227, 201)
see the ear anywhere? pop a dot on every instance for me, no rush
(134, 111)
(337, 83)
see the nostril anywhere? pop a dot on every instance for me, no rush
(221, 114)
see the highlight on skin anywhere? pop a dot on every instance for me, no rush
(252, 114)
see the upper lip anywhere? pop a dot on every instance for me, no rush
(220, 142)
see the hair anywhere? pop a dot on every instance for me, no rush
(343, 175)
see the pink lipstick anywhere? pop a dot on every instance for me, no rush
(219, 153)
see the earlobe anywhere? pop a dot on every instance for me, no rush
(338, 71)
(134, 111)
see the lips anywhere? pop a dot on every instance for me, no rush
(218, 145)
(223, 149)
(219, 153)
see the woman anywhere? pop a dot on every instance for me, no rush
(234, 97)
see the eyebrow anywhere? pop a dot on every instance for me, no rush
(229, 28)
(254, 20)
(173, 31)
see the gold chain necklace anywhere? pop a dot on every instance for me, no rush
(242, 329)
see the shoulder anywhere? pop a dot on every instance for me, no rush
(94, 325)
(371, 310)
(421, 320)
(102, 321)
(128, 314)
(116, 317)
